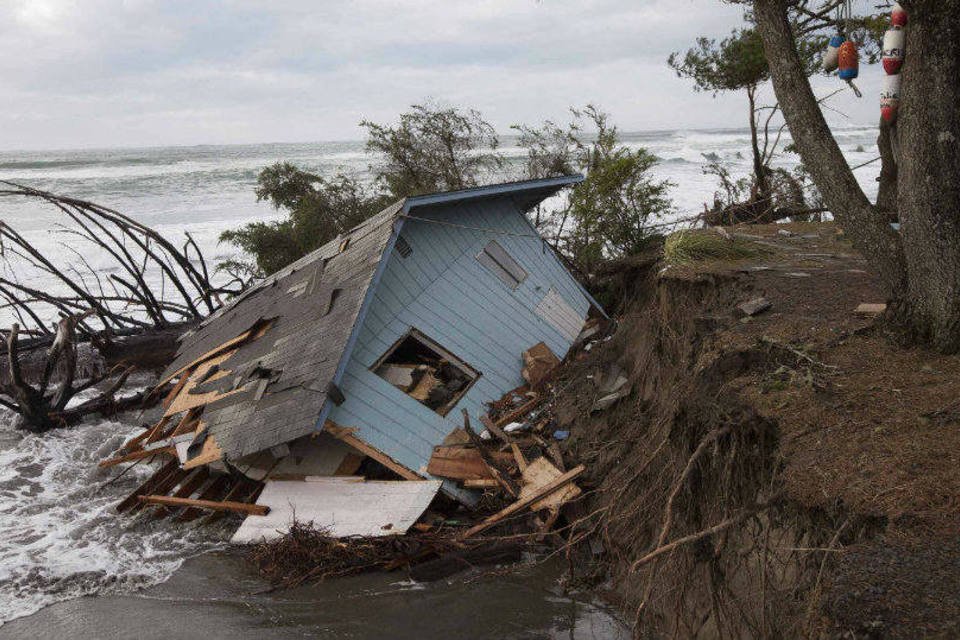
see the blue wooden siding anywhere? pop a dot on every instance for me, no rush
(443, 290)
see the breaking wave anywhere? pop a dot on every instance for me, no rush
(60, 537)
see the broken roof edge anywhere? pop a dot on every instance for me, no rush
(550, 185)
(351, 343)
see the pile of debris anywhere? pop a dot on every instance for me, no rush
(514, 459)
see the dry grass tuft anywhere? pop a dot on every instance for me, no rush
(685, 247)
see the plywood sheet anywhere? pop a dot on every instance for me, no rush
(343, 506)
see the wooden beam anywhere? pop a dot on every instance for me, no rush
(518, 413)
(494, 429)
(137, 455)
(214, 490)
(523, 503)
(346, 435)
(172, 467)
(497, 471)
(238, 507)
(187, 489)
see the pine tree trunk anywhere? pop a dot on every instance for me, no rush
(929, 172)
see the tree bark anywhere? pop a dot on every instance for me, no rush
(759, 170)
(929, 174)
(887, 192)
(818, 149)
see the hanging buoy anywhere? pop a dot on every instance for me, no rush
(831, 56)
(849, 61)
(899, 16)
(894, 41)
(890, 98)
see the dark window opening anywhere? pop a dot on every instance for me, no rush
(426, 372)
(495, 258)
(403, 247)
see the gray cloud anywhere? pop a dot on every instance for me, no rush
(153, 72)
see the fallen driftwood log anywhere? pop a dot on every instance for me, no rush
(92, 328)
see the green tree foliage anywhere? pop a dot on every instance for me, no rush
(319, 209)
(735, 63)
(611, 209)
(433, 149)
(739, 63)
(608, 214)
(440, 149)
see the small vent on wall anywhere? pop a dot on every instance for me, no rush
(403, 247)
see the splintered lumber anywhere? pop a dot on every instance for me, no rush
(346, 434)
(517, 413)
(540, 473)
(481, 483)
(187, 488)
(461, 463)
(172, 467)
(498, 472)
(538, 362)
(523, 503)
(238, 507)
(494, 429)
(163, 486)
(210, 452)
(214, 490)
(518, 456)
(137, 455)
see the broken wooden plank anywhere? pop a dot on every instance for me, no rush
(462, 463)
(137, 455)
(494, 429)
(540, 473)
(523, 503)
(238, 507)
(538, 362)
(498, 472)
(518, 456)
(187, 489)
(214, 490)
(346, 434)
(519, 412)
(481, 483)
(147, 486)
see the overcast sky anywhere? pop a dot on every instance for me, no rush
(102, 73)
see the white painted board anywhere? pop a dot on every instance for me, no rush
(560, 315)
(345, 506)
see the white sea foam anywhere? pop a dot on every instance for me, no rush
(60, 537)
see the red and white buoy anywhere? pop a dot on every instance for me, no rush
(893, 54)
(894, 43)
(890, 98)
(899, 15)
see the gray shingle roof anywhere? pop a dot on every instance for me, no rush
(283, 376)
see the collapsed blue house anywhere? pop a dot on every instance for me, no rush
(373, 345)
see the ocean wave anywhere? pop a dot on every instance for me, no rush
(60, 537)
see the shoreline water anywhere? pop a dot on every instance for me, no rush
(217, 596)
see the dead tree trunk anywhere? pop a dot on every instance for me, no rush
(920, 265)
(122, 321)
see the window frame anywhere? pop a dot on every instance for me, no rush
(503, 270)
(444, 353)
